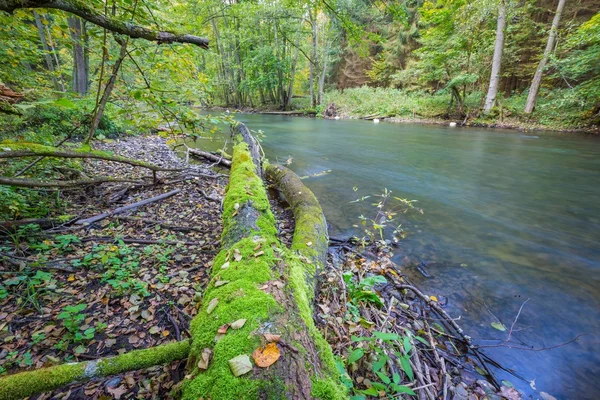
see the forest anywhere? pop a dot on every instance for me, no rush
(134, 264)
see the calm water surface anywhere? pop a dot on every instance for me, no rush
(508, 217)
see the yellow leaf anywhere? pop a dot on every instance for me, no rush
(266, 356)
(71, 278)
(165, 333)
(433, 298)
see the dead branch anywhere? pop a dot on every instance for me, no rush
(209, 156)
(32, 183)
(120, 210)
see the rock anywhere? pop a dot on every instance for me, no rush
(452, 124)
(330, 111)
(460, 393)
(487, 387)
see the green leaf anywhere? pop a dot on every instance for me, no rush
(403, 389)
(370, 392)
(405, 363)
(377, 365)
(64, 102)
(406, 344)
(384, 378)
(420, 339)
(499, 325)
(386, 336)
(356, 355)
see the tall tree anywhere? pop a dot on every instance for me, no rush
(81, 68)
(490, 99)
(51, 63)
(537, 78)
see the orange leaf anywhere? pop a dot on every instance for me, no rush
(266, 356)
(223, 329)
(272, 338)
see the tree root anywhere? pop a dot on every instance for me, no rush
(24, 384)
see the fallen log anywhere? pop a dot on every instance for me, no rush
(132, 206)
(209, 156)
(33, 183)
(28, 383)
(256, 279)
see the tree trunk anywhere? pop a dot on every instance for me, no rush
(47, 54)
(312, 63)
(490, 99)
(257, 280)
(323, 74)
(290, 92)
(81, 68)
(537, 78)
(107, 90)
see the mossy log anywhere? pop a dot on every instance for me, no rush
(22, 149)
(29, 383)
(257, 279)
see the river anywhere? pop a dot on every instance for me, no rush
(508, 216)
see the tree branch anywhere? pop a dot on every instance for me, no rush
(32, 183)
(83, 10)
(17, 150)
(28, 383)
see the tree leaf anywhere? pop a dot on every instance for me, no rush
(356, 355)
(211, 306)
(405, 363)
(240, 365)
(238, 324)
(499, 325)
(266, 356)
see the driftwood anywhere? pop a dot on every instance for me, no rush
(120, 210)
(209, 156)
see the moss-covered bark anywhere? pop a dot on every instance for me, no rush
(28, 383)
(266, 285)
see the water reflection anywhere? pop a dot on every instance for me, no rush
(508, 216)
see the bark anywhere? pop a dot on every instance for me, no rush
(323, 74)
(132, 206)
(290, 91)
(81, 68)
(47, 54)
(266, 286)
(110, 85)
(12, 150)
(537, 78)
(32, 183)
(7, 95)
(29, 383)
(490, 99)
(83, 10)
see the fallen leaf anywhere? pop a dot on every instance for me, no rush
(154, 330)
(499, 325)
(225, 265)
(117, 392)
(238, 324)
(223, 329)
(211, 306)
(269, 337)
(110, 342)
(237, 256)
(309, 244)
(71, 278)
(221, 283)
(205, 358)
(433, 298)
(165, 333)
(266, 356)
(240, 365)
(258, 254)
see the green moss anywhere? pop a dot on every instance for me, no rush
(242, 298)
(28, 383)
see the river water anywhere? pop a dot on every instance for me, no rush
(508, 216)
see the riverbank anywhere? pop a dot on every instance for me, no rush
(134, 280)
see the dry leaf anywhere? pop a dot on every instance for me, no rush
(211, 306)
(225, 265)
(266, 356)
(260, 253)
(272, 338)
(117, 392)
(223, 329)
(205, 358)
(238, 324)
(240, 365)
(221, 283)
(433, 298)
(237, 256)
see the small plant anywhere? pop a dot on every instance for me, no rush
(28, 287)
(386, 211)
(387, 358)
(73, 319)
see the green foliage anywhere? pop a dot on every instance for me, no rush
(29, 287)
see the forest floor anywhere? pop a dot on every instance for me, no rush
(136, 279)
